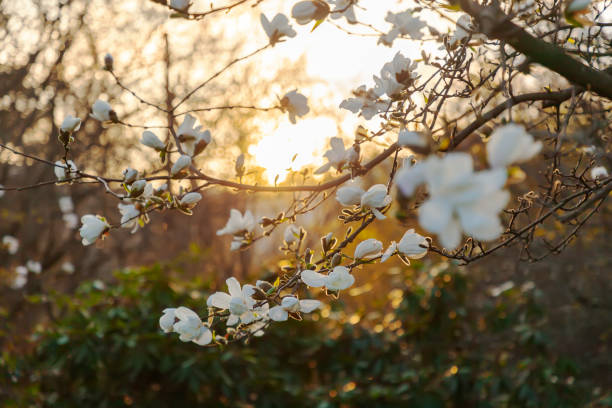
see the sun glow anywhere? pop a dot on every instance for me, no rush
(307, 141)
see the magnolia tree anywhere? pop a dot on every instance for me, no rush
(490, 155)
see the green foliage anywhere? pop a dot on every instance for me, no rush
(440, 348)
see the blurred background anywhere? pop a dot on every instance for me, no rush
(83, 331)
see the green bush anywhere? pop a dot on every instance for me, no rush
(439, 349)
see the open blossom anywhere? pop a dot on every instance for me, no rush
(180, 5)
(404, 23)
(34, 267)
(406, 138)
(459, 198)
(337, 156)
(395, 76)
(189, 200)
(63, 172)
(292, 234)
(344, 8)
(103, 112)
(291, 304)
(339, 278)
(511, 144)
(10, 243)
(238, 224)
(350, 194)
(193, 139)
(411, 245)
(180, 164)
(376, 197)
(599, 172)
(306, 11)
(93, 228)
(129, 216)
(151, 140)
(70, 124)
(370, 248)
(277, 28)
(189, 325)
(239, 302)
(366, 102)
(295, 104)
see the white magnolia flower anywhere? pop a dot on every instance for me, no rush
(63, 172)
(511, 144)
(166, 322)
(130, 216)
(239, 302)
(366, 102)
(404, 23)
(138, 187)
(370, 248)
(599, 172)
(130, 175)
(306, 11)
(65, 204)
(19, 281)
(67, 267)
(180, 5)
(71, 220)
(70, 124)
(464, 22)
(102, 111)
(388, 252)
(295, 104)
(180, 164)
(409, 177)
(151, 140)
(34, 267)
(277, 28)
(339, 278)
(189, 326)
(462, 200)
(93, 227)
(10, 243)
(406, 138)
(189, 200)
(193, 139)
(411, 245)
(344, 8)
(337, 156)
(395, 76)
(291, 304)
(238, 224)
(292, 234)
(376, 197)
(349, 194)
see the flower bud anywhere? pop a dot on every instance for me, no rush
(336, 259)
(369, 248)
(129, 175)
(180, 164)
(108, 62)
(137, 188)
(308, 255)
(305, 11)
(189, 200)
(151, 140)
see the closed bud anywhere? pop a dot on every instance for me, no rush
(137, 188)
(308, 255)
(258, 294)
(108, 62)
(130, 175)
(265, 286)
(336, 259)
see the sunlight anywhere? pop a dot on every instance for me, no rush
(308, 139)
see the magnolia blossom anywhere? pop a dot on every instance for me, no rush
(93, 227)
(34, 267)
(306, 11)
(238, 224)
(65, 204)
(406, 138)
(292, 234)
(511, 144)
(151, 140)
(189, 325)
(403, 24)
(395, 76)
(71, 220)
(459, 198)
(10, 243)
(103, 112)
(344, 8)
(291, 304)
(366, 102)
(337, 156)
(599, 172)
(350, 194)
(295, 104)
(180, 5)
(180, 164)
(130, 216)
(376, 197)
(189, 200)
(193, 139)
(137, 188)
(277, 28)
(63, 172)
(70, 124)
(370, 248)
(239, 303)
(130, 175)
(411, 245)
(21, 277)
(67, 267)
(339, 278)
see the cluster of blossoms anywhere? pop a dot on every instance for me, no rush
(402, 24)
(22, 271)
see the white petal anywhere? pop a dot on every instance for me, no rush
(313, 279)
(220, 300)
(278, 314)
(308, 305)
